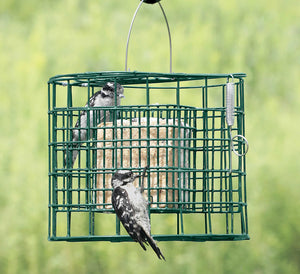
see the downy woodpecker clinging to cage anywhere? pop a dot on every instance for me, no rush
(102, 98)
(132, 208)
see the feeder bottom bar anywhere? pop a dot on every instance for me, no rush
(186, 237)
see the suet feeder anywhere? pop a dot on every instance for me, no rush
(194, 146)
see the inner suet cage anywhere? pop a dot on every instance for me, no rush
(196, 180)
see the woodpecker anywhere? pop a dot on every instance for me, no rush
(102, 98)
(132, 208)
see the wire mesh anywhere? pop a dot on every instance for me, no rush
(179, 129)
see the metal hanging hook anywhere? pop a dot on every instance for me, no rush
(131, 26)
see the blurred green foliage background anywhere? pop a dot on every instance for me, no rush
(40, 39)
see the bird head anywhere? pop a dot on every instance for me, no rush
(108, 90)
(123, 177)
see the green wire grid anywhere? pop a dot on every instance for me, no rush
(198, 199)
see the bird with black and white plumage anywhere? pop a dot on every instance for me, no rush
(132, 208)
(102, 98)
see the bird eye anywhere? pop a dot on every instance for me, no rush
(104, 95)
(109, 87)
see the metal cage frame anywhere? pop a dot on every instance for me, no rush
(204, 182)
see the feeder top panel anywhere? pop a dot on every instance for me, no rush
(132, 77)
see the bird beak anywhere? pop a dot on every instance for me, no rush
(141, 175)
(121, 96)
(136, 176)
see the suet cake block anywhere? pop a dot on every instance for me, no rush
(131, 144)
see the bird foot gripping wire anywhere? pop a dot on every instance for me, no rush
(131, 25)
(230, 96)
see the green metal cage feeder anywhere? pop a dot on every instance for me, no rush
(197, 186)
(188, 128)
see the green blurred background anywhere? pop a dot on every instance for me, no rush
(40, 39)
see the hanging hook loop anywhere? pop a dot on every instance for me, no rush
(131, 26)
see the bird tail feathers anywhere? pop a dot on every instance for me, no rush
(156, 249)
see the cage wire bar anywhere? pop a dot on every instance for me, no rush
(194, 192)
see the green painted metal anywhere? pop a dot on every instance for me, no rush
(203, 200)
(186, 237)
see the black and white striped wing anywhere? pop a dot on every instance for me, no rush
(93, 99)
(126, 214)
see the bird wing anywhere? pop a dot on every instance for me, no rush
(92, 99)
(126, 214)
